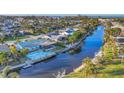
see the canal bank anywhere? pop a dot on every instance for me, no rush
(67, 61)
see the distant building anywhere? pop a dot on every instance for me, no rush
(2, 35)
(67, 31)
(121, 40)
(33, 45)
(121, 56)
(122, 34)
(4, 47)
(57, 38)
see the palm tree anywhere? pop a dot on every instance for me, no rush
(17, 40)
(71, 39)
(4, 57)
(60, 74)
(89, 69)
(122, 59)
(2, 39)
(106, 36)
(24, 51)
(14, 52)
(108, 25)
(6, 73)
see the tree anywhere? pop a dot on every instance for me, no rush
(113, 32)
(108, 24)
(2, 40)
(3, 57)
(75, 37)
(24, 51)
(71, 39)
(110, 50)
(106, 37)
(14, 52)
(60, 74)
(17, 40)
(122, 59)
(13, 75)
(89, 69)
(6, 73)
(108, 55)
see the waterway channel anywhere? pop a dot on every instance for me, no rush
(67, 61)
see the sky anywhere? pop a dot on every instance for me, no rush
(92, 15)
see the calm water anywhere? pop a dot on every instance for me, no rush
(67, 61)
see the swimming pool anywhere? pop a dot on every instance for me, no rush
(31, 45)
(39, 55)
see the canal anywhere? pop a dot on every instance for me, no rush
(67, 61)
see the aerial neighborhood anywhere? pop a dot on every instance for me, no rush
(28, 40)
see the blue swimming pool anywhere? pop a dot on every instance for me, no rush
(39, 55)
(31, 45)
(32, 42)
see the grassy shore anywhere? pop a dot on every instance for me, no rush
(113, 70)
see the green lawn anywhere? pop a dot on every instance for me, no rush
(114, 70)
(12, 39)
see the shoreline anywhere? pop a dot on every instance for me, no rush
(93, 60)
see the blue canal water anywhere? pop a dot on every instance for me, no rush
(67, 61)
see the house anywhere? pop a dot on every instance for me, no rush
(121, 40)
(21, 32)
(33, 45)
(122, 34)
(4, 47)
(2, 35)
(27, 31)
(69, 31)
(64, 33)
(76, 29)
(42, 36)
(57, 38)
(121, 56)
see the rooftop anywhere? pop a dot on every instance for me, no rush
(122, 33)
(4, 47)
(120, 40)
